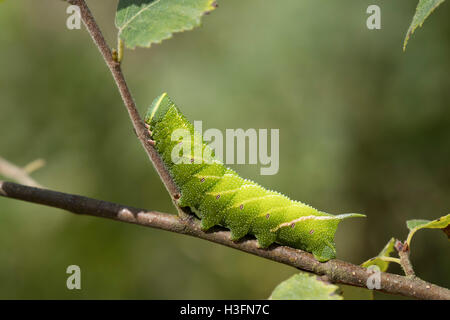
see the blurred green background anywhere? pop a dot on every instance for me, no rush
(363, 126)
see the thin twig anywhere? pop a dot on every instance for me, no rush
(403, 253)
(13, 172)
(336, 271)
(34, 166)
(115, 68)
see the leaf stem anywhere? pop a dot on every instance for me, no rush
(390, 259)
(410, 235)
(120, 48)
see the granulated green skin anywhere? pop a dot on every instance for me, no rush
(219, 196)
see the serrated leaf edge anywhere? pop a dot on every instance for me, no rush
(169, 35)
(413, 28)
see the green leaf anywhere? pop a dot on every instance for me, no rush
(423, 10)
(144, 22)
(442, 223)
(411, 224)
(379, 260)
(304, 286)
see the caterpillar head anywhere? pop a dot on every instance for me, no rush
(158, 109)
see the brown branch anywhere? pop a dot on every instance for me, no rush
(403, 253)
(336, 271)
(116, 70)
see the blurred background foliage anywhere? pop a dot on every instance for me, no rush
(363, 128)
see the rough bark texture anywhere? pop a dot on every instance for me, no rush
(336, 271)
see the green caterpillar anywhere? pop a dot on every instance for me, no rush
(219, 196)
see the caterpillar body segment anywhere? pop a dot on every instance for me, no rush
(219, 196)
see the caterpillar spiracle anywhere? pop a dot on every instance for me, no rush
(219, 196)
